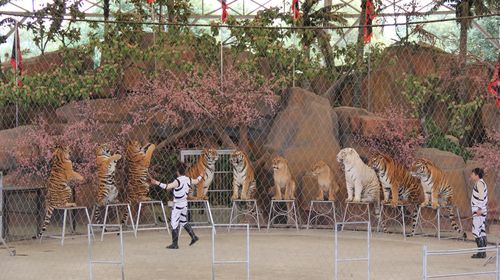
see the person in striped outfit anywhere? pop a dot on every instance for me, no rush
(180, 187)
(479, 202)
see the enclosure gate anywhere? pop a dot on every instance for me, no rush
(221, 188)
(218, 262)
(426, 254)
(11, 252)
(91, 262)
(359, 259)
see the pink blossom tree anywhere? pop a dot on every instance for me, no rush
(397, 137)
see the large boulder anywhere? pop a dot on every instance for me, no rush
(103, 110)
(10, 144)
(304, 132)
(443, 159)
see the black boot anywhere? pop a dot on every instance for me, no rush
(484, 243)
(189, 230)
(175, 238)
(478, 243)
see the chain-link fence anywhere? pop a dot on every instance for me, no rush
(289, 96)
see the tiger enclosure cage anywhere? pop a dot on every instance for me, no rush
(262, 83)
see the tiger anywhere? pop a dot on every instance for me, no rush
(243, 176)
(106, 190)
(397, 184)
(326, 182)
(204, 165)
(138, 159)
(396, 179)
(283, 179)
(58, 192)
(361, 181)
(437, 190)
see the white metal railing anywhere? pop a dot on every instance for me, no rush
(91, 262)
(338, 260)
(427, 253)
(223, 262)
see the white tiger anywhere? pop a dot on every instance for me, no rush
(361, 180)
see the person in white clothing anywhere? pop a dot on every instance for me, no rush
(180, 188)
(479, 203)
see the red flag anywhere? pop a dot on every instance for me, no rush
(224, 11)
(295, 9)
(494, 85)
(150, 1)
(17, 64)
(369, 17)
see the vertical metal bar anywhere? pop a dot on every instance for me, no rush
(134, 228)
(231, 215)
(310, 212)
(497, 263)
(64, 226)
(221, 60)
(164, 216)
(213, 252)
(403, 218)
(16, 46)
(104, 222)
(248, 252)
(90, 251)
(424, 262)
(138, 218)
(89, 221)
(122, 255)
(335, 254)
(368, 236)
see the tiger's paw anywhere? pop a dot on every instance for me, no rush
(386, 201)
(394, 203)
(356, 200)
(235, 197)
(70, 204)
(244, 197)
(276, 197)
(348, 199)
(424, 204)
(435, 205)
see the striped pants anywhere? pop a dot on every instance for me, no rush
(179, 215)
(479, 225)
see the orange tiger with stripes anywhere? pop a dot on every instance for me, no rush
(138, 159)
(243, 176)
(397, 184)
(204, 165)
(437, 190)
(106, 190)
(58, 192)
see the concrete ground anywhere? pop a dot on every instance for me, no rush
(277, 254)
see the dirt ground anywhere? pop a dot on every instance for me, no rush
(277, 254)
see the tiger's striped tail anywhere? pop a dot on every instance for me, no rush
(48, 215)
(414, 221)
(97, 214)
(454, 223)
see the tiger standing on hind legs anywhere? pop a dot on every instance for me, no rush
(181, 187)
(106, 190)
(479, 203)
(138, 159)
(58, 191)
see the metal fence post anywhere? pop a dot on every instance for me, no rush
(424, 262)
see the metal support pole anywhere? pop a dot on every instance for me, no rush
(424, 262)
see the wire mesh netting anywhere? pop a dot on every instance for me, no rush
(263, 108)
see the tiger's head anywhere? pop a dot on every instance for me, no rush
(379, 163)
(279, 164)
(135, 151)
(210, 155)
(237, 158)
(421, 168)
(103, 150)
(319, 167)
(347, 156)
(61, 153)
